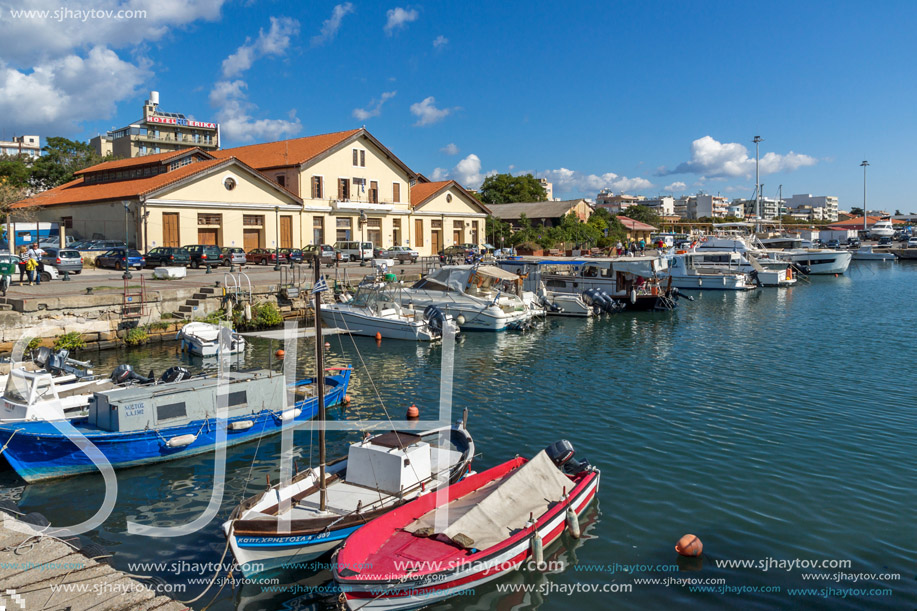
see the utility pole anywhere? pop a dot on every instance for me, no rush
(864, 165)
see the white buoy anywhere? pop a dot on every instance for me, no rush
(573, 523)
(181, 441)
(537, 549)
(290, 414)
(248, 311)
(241, 425)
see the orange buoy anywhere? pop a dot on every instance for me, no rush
(835, 275)
(280, 354)
(327, 345)
(413, 412)
(346, 399)
(689, 545)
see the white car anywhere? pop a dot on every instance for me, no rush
(912, 242)
(401, 253)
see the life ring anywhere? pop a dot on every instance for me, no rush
(633, 296)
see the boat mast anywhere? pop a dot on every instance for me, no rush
(320, 382)
(865, 230)
(757, 140)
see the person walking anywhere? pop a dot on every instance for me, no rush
(34, 255)
(642, 246)
(21, 264)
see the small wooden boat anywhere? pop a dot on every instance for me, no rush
(473, 532)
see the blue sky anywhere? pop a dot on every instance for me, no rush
(642, 97)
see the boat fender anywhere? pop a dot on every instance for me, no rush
(181, 441)
(537, 549)
(241, 425)
(290, 414)
(633, 296)
(573, 523)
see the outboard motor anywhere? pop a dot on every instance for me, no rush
(41, 356)
(678, 295)
(561, 454)
(125, 373)
(175, 374)
(550, 307)
(435, 318)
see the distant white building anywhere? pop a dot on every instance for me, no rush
(21, 145)
(616, 204)
(664, 205)
(828, 202)
(548, 188)
(704, 206)
(681, 207)
(770, 208)
(736, 209)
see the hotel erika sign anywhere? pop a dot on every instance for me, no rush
(184, 122)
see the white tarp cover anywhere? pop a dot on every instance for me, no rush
(493, 513)
(495, 272)
(640, 267)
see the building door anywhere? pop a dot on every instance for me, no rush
(374, 192)
(458, 232)
(286, 232)
(436, 241)
(418, 233)
(207, 236)
(251, 239)
(374, 231)
(318, 230)
(396, 232)
(170, 229)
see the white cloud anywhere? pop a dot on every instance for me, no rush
(427, 113)
(571, 181)
(374, 108)
(57, 94)
(466, 172)
(236, 122)
(275, 42)
(399, 18)
(440, 42)
(712, 158)
(25, 42)
(675, 186)
(331, 25)
(439, 174)
(450, 149)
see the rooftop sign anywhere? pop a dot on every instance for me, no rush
(182, 122)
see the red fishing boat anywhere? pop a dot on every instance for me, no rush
(472, 532)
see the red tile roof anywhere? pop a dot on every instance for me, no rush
(285, 152)
(857, 222)
(135, 161)
(423, 191)
(75, 192)
(633, 225)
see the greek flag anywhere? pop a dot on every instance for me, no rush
(320, 287)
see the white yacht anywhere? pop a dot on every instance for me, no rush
(536, 292)
(808, 260)
(478, 298)
(866, 253)
(377, 309)
(689, 271)
(765, 272)
(882, 229)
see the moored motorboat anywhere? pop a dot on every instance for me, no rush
(203, 339)
(691, 270)
(866, 253)
(481, 528)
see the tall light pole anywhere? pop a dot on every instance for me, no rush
(127, 268)
(277, 238)
(864, 165)
(362, 222)
(757, 140)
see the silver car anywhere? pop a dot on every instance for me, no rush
(64, 259)
(233, 255)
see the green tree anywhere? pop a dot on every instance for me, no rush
(644, 214)
(494, 229)
(855, 211)
(61, 158)
(506, 188)
(15, 170)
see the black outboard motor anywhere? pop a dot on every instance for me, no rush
(550, 307)
(679, 295)
(435, 318)
(125, 373)
(175, 374)
(561, 454)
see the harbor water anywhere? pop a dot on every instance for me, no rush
(777, 425)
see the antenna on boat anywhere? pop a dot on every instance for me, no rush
(320, 381)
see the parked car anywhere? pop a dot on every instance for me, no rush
(328, 255)
(885, 242)
(912, 242)
(115, 258)
(835, 244)
(202, 254)
(291, 253)
(263, 256)
(356, 250)
(233, 255)
(817, 243)
(64, 259)
(378, 252)
(169, 256)
(457, 251)
(402, 253)
(95, 245)
(904, 238)
(853, 242)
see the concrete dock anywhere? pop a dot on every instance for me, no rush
(41, 572)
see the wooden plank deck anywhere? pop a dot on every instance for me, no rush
(39, 572)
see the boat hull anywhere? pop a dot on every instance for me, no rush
(820, 263)
(360, 324)
(40, 451)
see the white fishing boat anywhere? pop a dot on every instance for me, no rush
(882, 229)
(689, 271)
(765, 272)
(203, 339)
(536, 291)
(866, 253)
(376, 309)
(479, 298)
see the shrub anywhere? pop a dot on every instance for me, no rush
(264, 315)
(136, 337)
(69, 341)
(34, 342)
(158, 326)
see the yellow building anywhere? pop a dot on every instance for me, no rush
(321, 189)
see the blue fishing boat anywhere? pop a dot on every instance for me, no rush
(134, 426)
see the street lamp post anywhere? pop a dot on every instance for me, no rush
(127, 268)
(864, 165)
(362, 237)
(277, 238)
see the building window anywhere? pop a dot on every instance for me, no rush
(396, 192)
(316, 187)
(229, 183)
(396, 232)
(318, 230)
(356, 157)
(362, 159)
(374, 231)
(344, 189)
(68, 222)
(373, 192)
(281, 180)
(448, 198)
(253, 220)
(209, 219)
(344, 228)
